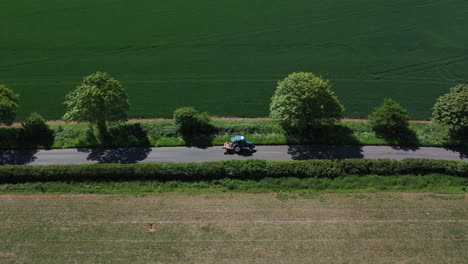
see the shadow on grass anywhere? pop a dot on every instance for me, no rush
(130, 141)
(301, 152)
(406, 139)
(326, 134)
(202, 137)
(19, 138)
(17, 157)
(127, 135)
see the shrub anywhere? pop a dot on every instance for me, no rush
(241, 169)
(34, 126)
(405, 166)
(194, 126)
(303, 169)
(234, 169)
(192, 121)
(390, 121)
(35, 131)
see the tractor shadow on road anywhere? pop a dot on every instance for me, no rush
(117, 155)
(17, 157)
(244, 153)
(299, 152)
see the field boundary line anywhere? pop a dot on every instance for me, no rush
(228, 240)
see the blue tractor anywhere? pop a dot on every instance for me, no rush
(238, 144)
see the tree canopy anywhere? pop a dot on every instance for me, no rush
(452, 108)
(8, 105)
(99, 99)
(304, 99)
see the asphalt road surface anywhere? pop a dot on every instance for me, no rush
(179, 154)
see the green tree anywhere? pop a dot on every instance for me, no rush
(452, 108)
(8, 105)
(303, 100)
(390, 121)
(99, 99)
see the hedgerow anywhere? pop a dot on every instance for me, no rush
(234, 169)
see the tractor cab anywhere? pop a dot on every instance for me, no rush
(238, 143)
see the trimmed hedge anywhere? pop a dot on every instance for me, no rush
(235, 169)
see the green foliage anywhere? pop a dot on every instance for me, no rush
(451, 109)
(194, 126)
(303, 99)
(191, 121)
(234, 169)
(251, 168)
(36, 131)
(8, 105)
(405, 166)
(34, 124)
(267, 132)
(303, 169)
(99, 99)
(308, 188)
(390, 121)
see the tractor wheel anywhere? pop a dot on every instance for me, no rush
(237, 149)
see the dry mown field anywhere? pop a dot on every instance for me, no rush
(237, 228)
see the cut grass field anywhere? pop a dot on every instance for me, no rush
(226, 57)
(234, 228)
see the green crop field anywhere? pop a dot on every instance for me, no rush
(225, 57)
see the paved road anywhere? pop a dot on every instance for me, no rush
(178, 154)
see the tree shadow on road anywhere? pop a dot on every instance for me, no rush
(462, 152)
(301, 152)
(458, 141)
(118, 155)
(17, 157)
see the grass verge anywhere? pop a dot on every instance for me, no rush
(261, 132)
(439, 183)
